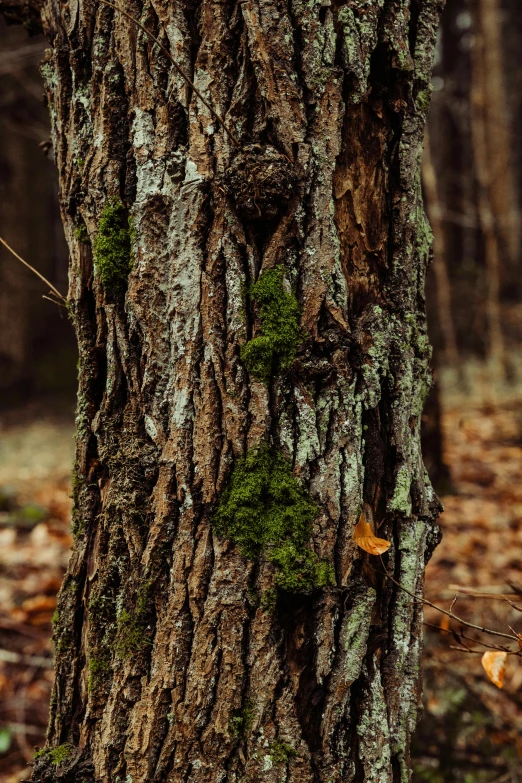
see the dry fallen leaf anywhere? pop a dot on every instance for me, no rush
(367, 540)
(494, 664)
(36, 610)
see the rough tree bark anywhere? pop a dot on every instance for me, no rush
(178, 657)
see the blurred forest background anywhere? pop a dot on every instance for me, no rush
(472, 179)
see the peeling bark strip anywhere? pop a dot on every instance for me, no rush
(170, 667)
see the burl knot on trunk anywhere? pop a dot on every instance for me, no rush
(261, 180)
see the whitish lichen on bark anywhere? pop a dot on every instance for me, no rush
(329, 105)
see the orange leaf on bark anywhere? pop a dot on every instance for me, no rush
(367, 540)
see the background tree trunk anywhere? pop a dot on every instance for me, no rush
(450, 351)
(170, 665)
(479, 99)
(37, 344)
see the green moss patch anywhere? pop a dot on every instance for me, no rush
(267, 512)
(241, 721)
(57, 755)
(99, 669)
(274, 350)
(133, 627)
(112, 246)
(280, 752)
(81, 233)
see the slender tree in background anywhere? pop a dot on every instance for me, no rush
(474, 123)
(250, 316)
(490, 82)
(450, 352)
(27, 323)
(491, 159)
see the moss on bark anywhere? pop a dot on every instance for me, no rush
(112, 246)
(274, 350)
(267, 512)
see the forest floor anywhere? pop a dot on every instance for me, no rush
(471, 730)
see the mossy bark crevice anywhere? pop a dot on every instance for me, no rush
(265, 510)
(112, 245)
(279, 315)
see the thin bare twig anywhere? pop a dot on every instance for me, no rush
(35, 271)
(497, 647)
(178, 68)
(422, 600)
(473, 593)
(54, 301)
(519, 638)
(453, 602)
(475, 641)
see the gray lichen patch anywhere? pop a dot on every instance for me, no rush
(352, 646)
(358, 23)
(374, 733)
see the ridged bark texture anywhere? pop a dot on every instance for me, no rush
(170, 665)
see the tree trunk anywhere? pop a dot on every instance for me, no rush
(37, 346)
(489, 45)
(495, 193)
(450, 351)
(190, 646)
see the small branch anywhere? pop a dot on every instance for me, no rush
(475, 641)
(35, 271)
(519, 639)
(444, 611)
(54, 301)
(178, 68)
(453, 603)
(472, 593)
(465, 650)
